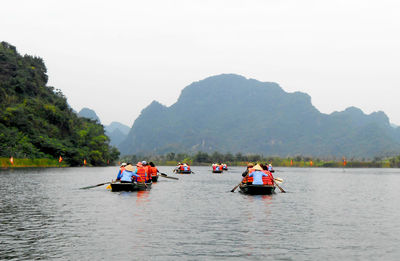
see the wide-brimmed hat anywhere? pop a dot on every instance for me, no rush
(250, 164)
(139, 164)
(129, 168)
(258, 167)
(123, 164)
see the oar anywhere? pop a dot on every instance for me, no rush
(279, 187)
(98, 185)
(233, 190)
(166, 176)
(279, 180)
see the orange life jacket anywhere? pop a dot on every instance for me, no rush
(141, 171)
(248, 178)
(152, 171)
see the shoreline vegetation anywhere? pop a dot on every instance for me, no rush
(205, 159)
(239, 159)
(29, 163)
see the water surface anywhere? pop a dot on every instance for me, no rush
(330, 214)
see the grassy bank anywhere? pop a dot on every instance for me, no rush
(25, 163)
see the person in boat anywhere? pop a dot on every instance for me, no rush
(185, 167)
(128, 175)
(248, 180)
(249, 167)
(178, 167)
(142, 171)
(257, 175)
(270, 169)
(121, 169)
(270, 179)
(152, 170)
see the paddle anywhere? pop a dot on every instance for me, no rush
(101, 184)
(233, 190)
(279, 187)
(166, 176)
(279, 180)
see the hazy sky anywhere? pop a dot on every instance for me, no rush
(117, 56)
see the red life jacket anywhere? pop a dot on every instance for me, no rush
(141, 171)
(214, 167)
(152, 171)
(267, 180)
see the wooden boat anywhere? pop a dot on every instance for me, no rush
(257, 189)
(217, 171)
(154, 178)
(116, 186)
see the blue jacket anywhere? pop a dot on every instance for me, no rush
(127, 175)
(257, 177)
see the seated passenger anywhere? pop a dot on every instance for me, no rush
(249, 166)
(152, 170)
(257, 175)
(270, 169)
(128, 175)
(142, 173)
(121, 169)
(185, 167)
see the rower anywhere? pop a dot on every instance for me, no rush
(257, 175)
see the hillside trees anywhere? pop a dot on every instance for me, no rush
(36, 120)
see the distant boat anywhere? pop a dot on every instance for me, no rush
(216, 168)
(179, 171)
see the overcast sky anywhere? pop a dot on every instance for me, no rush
(115, 56)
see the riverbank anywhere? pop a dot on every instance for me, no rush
(29, 163)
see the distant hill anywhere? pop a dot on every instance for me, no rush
(117, 132)
(36, 120)
(117, 126)
(229, 113)
(90, 114)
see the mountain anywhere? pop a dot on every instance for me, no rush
(117, 126)
(117, 132)
(88, 113)
(36, 120)
(229, 113)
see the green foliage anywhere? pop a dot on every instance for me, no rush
(205, 159)
(36, 120)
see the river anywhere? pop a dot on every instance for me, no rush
(326, 214)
